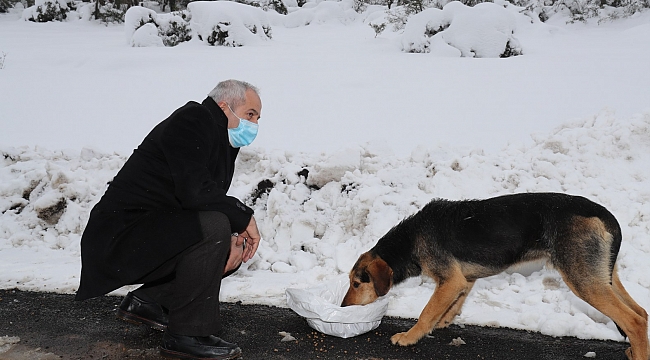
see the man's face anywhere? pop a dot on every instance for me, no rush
(251, 110)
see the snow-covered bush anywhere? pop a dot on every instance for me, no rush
(278, 6)
(47, 10)
(266, 5)
(5, 5)
(576, 10)
(143, 27)
(228, 23)
(322, 13)
(174, 28)
(110, 14)
(485, 30)
(582, 10)
(146, 35)
(135, 18)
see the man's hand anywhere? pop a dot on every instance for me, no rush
(235, 256)
(249, 240)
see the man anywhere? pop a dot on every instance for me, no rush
(166, 222)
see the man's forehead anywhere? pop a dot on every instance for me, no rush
(253, 102)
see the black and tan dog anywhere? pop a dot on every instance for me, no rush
(457, 242)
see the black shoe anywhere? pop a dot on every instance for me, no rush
(137, 311)
(197, 347)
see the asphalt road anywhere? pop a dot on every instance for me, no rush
(45, 326)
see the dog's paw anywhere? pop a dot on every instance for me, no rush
(628, 353)
(402, 339)
(395, 338)
(442, 325)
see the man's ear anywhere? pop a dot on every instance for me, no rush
(381, 275)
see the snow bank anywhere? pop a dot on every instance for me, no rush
(485, 30)
(319, 212)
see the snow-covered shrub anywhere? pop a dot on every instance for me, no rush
(582, 10)
(174, 28)
(379, 27)
(415, 6)
(5, 5)
(85, 11)
(47, 10)
(322, 13)
(485, 30)
(143, 27)
(266, 5)
(278, 6)
(228, 23)
(135, 18)
(109, 14)
(145, 36)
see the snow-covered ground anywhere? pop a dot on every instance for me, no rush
(380, 131)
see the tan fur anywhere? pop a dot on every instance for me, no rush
(380, 274)
(446, 295)
(610, 302)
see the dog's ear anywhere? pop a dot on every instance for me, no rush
(381, 275)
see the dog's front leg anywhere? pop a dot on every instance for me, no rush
(443, 299)
(455, 309)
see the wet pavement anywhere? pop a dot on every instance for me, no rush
(45, 326)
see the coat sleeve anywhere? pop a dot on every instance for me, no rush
(187, 144)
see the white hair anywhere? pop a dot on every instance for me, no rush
(232, 92)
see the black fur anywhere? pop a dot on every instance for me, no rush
(494, 234)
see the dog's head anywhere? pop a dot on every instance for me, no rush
(370, 278)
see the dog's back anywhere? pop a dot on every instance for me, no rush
(491, 235)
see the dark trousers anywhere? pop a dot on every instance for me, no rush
(188, 285)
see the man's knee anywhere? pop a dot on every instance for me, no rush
(216, 228)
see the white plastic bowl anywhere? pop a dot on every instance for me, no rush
(321, 307)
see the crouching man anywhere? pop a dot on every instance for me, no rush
(166, 222)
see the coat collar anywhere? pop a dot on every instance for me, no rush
(216, 112)
(222, 121)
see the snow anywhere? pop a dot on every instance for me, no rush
(380, 132)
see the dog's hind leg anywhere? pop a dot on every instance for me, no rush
(625, 297)
(583, 257)
(628, 300)
(591, 284)
(455, 309)
(602, 296)
(448, 291)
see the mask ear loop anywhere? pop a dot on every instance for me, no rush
(240, 119)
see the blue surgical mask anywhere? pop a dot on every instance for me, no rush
(243, 134)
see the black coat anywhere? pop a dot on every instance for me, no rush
(149, 212)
